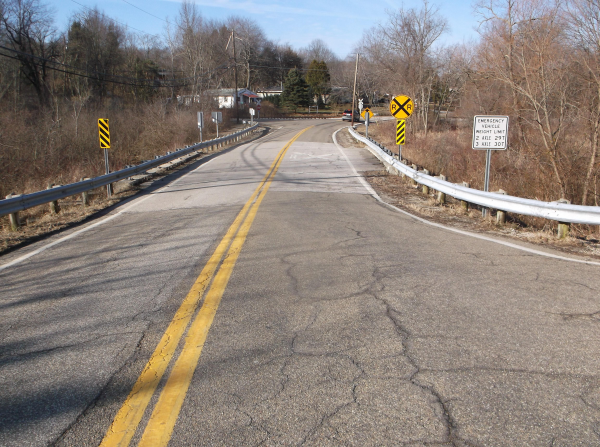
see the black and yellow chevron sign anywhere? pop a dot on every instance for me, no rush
(104, 133)
(401, 132)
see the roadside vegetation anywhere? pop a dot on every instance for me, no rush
(537, 61)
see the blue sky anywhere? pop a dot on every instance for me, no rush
(339, 23)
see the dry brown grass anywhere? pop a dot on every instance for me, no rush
(449, 152)
(401, 193)
(39, 221)
(37, 149)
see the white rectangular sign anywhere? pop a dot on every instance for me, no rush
(490, 132)
(217, 117)
(200, 120)
(252, 112)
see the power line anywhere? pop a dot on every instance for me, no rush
(111, 78)
(150, 14)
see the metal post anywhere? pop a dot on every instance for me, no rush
(217, 128)
(367, 115)
(486, 186)
(107, 169)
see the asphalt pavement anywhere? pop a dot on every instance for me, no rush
(333, 319)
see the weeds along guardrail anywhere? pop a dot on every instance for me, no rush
(564, 213)
(22, 202)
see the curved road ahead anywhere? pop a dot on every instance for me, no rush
(266, 297)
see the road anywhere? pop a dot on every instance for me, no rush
(266, 297)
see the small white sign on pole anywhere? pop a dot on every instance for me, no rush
(490, 132)
(251, 112)
(200, 120)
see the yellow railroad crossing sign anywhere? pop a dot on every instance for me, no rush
(104, 133)
(365, 111)
(401, 132)
(401, 107)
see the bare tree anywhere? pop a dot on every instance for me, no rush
(525, 49)
(318, 50)
(583, 17)
(28, 27)
(250, 43)
(403, 48)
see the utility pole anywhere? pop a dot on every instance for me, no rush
(354, 91)
(235, 101)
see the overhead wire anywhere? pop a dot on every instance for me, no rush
(112, 78)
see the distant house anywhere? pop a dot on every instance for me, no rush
(271, 91)
(224, 96)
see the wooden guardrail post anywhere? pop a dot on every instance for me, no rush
(563, 227)
(84, 195)
(425, 187)
(465, 205)
(13, 218)
(501, 215)
(54, 206)
(414, 182)
(441, 197)
(563, 230)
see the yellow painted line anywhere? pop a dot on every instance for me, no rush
(162, 422)
(131, 412)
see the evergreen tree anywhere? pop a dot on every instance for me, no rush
(318, 79)
(295, 90)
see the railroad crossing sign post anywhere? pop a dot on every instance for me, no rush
(367, 115)
(401, 107)
(490, 133)
(200, 123)
(400, 133)
(104, 136)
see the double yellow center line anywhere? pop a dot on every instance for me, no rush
(165, 413)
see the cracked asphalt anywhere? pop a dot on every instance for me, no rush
(344, 322)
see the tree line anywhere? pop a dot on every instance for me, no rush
(537, 61)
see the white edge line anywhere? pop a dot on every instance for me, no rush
(455, 230)
(368, 187)
(96, 224)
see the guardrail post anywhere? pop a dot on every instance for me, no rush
(501, 215)
(563, 230)
(425, 188)
(84, 195)
(563, 227)
(465, 205)
(13, 218)
(441, 197)
(54, 207)
(414, 182)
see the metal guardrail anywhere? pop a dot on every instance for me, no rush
(22, 202)
(561, 212)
